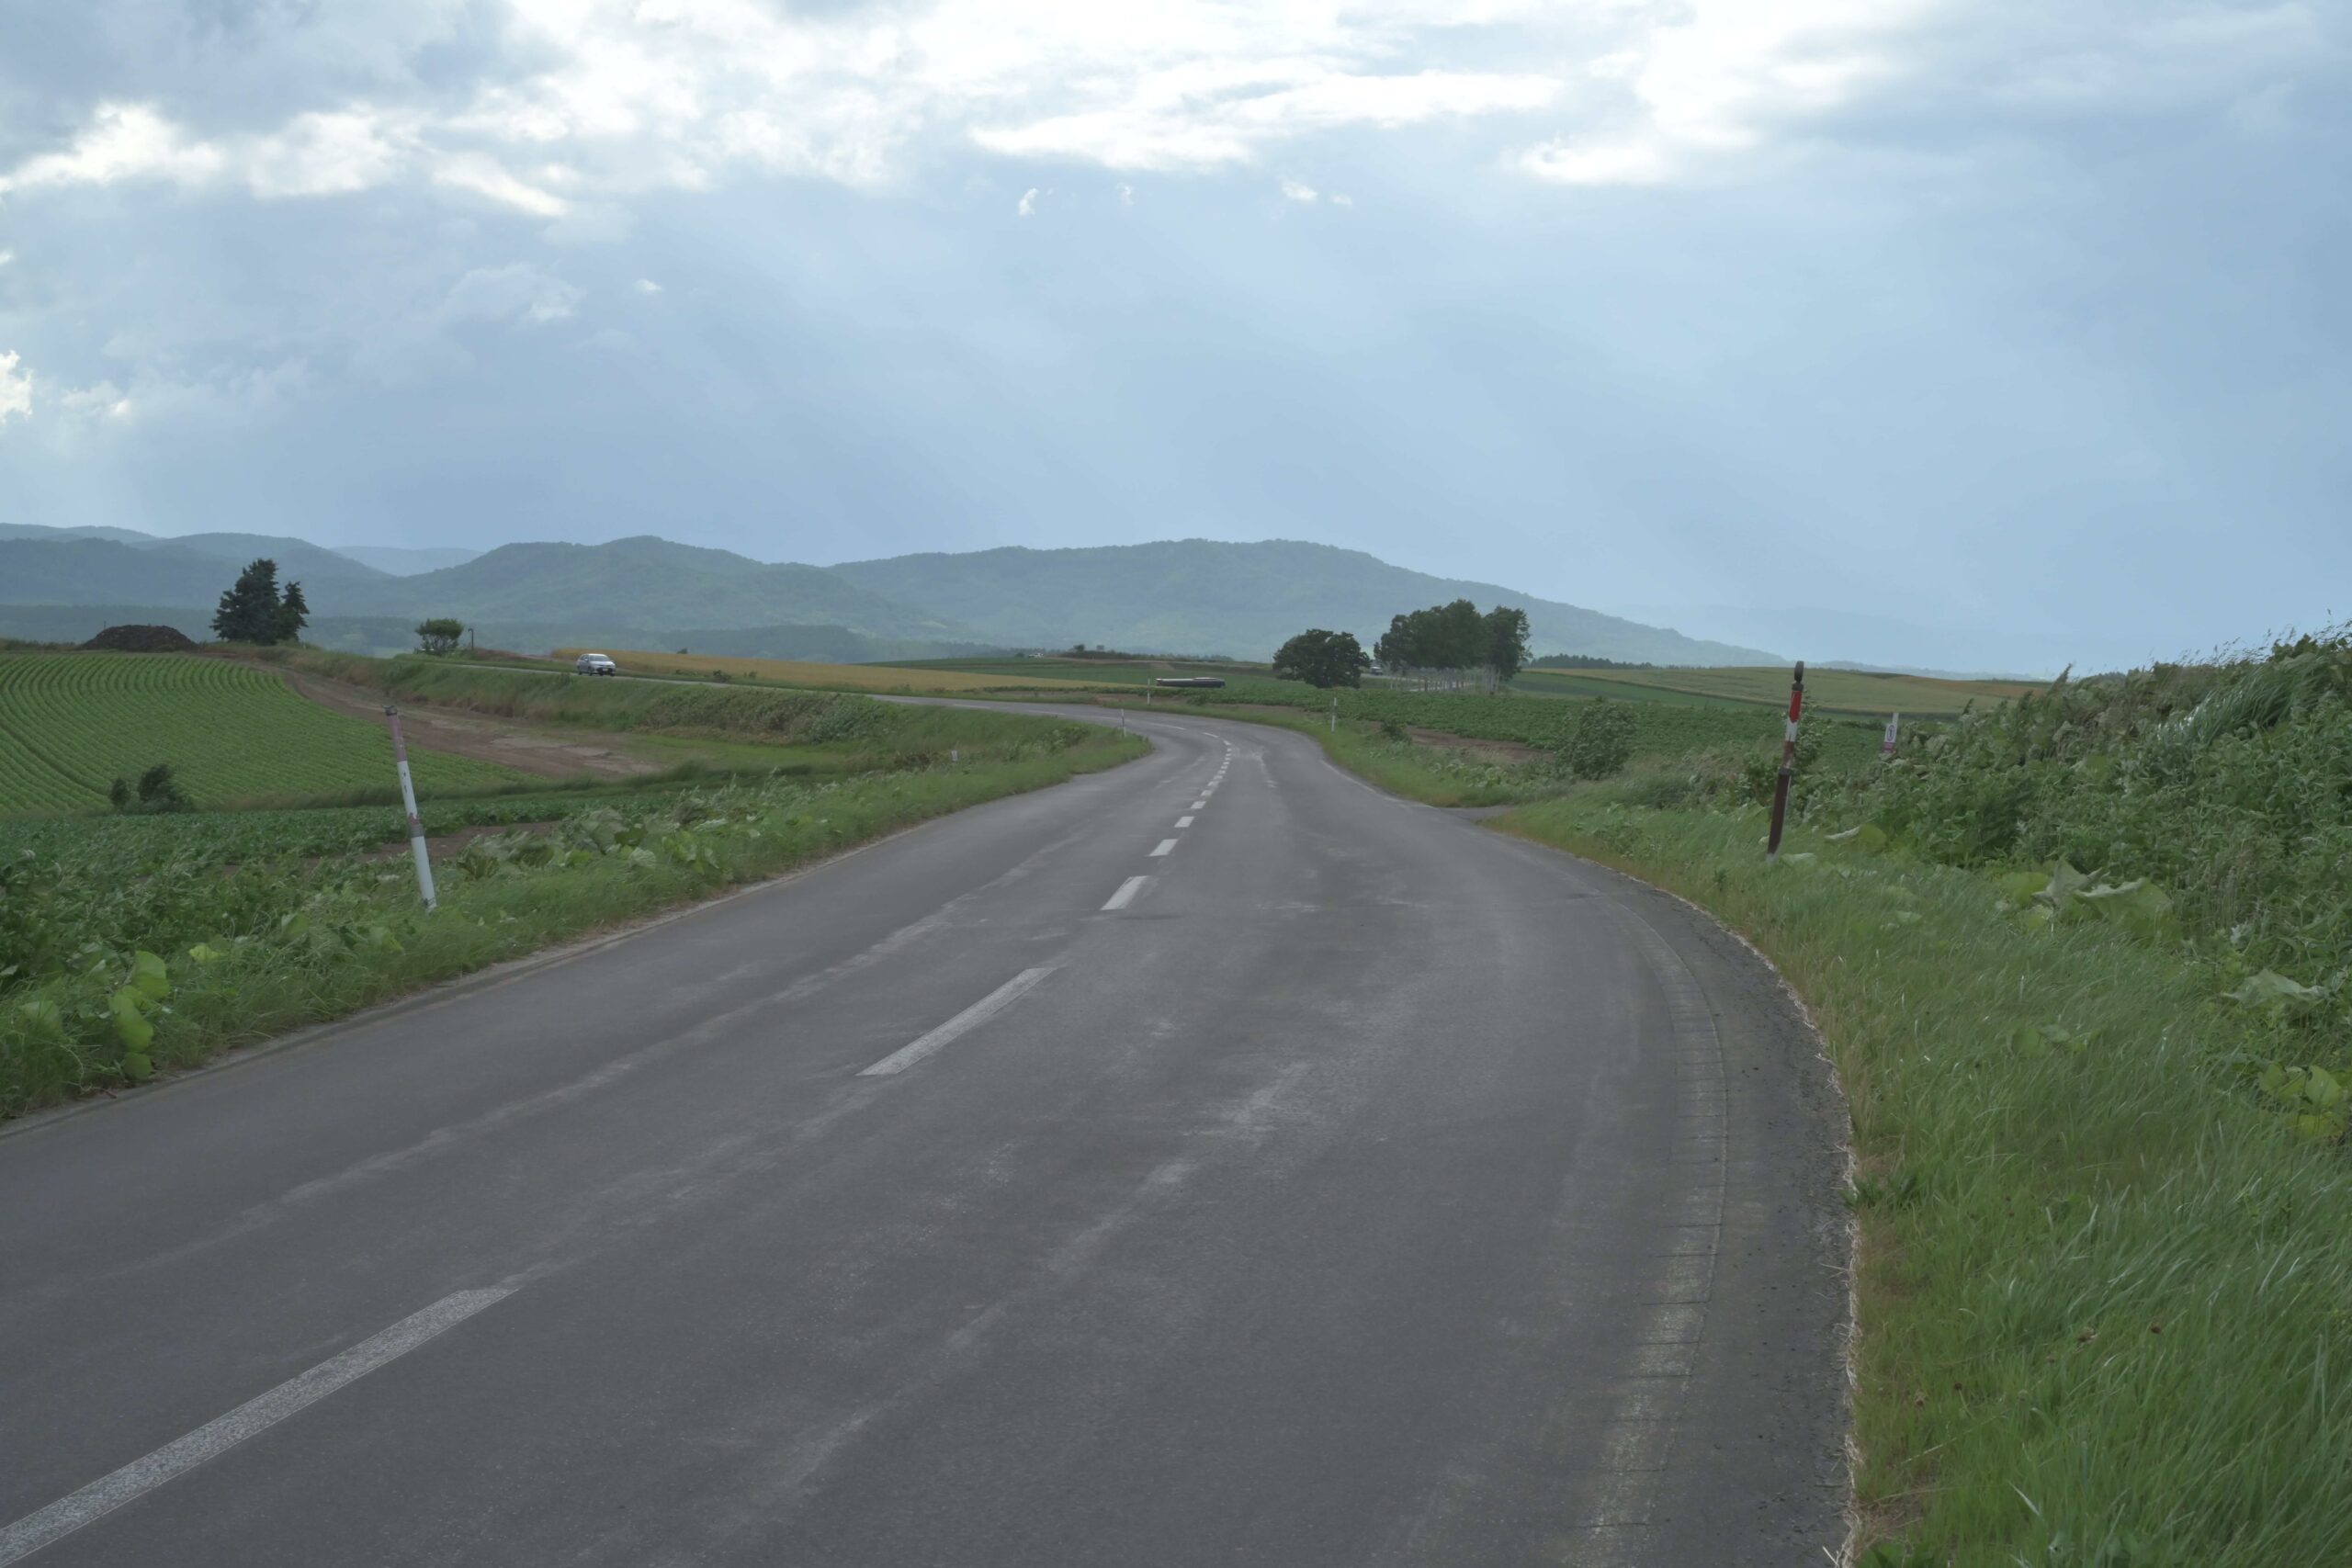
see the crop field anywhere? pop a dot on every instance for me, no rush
(1661, 728)
(72, 723)
(946, 679)
(129, 943)
(1855, 692)
(1051, 672)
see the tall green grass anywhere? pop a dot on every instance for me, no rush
(2227, 783)
(2106, 1293)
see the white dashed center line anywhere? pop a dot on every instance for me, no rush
(1165, 845)
(102, 1497)
(964, 1022)
(1127, 891)
(1183, 821)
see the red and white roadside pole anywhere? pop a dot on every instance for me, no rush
(1893, 726)
(1787, 766)
(415, 827)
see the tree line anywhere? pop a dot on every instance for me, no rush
(1452, 639)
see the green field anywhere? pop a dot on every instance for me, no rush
(947, 677)
(72, 723)
(132, 944)
(1855, 692)
(1091, 671)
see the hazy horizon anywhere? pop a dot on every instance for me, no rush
(2000, 339)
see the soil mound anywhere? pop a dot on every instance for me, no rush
(141, 639)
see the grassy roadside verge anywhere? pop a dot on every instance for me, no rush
(108, 982)
(2104, 1295)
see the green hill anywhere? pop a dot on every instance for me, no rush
(1177, 596)
(403, 560)
(629, 591)
(106, 572)
(1205, 597)
(112, 565)
(645, 582)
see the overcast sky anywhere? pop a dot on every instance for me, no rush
(1972, 333)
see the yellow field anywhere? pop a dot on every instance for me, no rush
(821, 677)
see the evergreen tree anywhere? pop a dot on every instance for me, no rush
(293, 615)
(251, 609)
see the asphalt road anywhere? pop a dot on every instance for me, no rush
(1210, 1161)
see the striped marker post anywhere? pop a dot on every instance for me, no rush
(1787, 766)
(1893, 726)
(408, 799)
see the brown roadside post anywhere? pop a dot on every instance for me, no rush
(1787, 766)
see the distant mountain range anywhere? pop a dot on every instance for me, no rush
(1201, 595)
(1185, 596)
(402, 560)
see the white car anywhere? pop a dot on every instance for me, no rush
(595, 664)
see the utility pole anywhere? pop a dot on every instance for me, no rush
(1787, 766)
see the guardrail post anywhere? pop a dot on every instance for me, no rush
(1787, 766)
(408, 800)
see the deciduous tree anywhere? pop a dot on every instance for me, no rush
(1322, 659)
(442, 634)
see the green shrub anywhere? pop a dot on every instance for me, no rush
(1602, 742)
(2228, 783)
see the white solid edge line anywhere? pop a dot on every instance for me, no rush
(1126, 893)
(106, 1494)
(972, 1018)
(1183, 821)
(1165, 845)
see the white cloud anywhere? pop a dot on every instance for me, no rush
(1293, 190)
(627, 95)
(516, 292)
(647, 285)
(325, 154)
(122, 141)
(593, 102)
(1027, 206)
(16, 389)
(1340, 198)
(102, 401)
(1711, 81)
(1127, 199)
(1207, 115)
(7, 257)
(1599, 162)
(485, 177)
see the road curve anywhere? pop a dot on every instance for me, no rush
(1210, 1161)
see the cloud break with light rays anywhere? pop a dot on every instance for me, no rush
(1612, 300)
